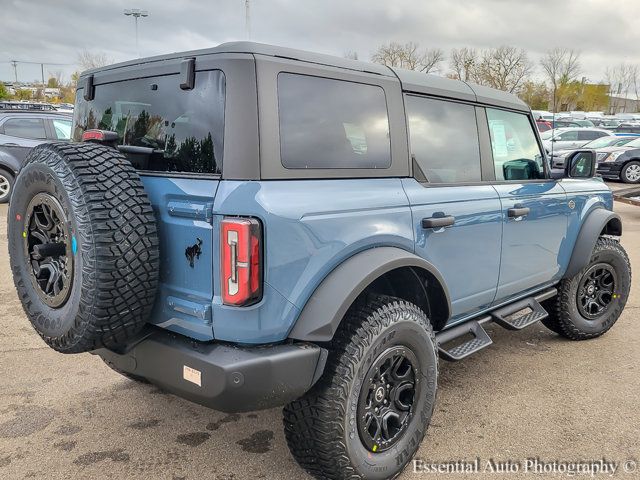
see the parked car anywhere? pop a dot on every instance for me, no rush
(542, 115)
(572, 122)
(22, 129)
(314, 236)
(627, 128)
(621, 163)
(570, 138)
(543, 125)
(557, 161)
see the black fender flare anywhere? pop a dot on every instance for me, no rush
(596, 222)
(328, 304)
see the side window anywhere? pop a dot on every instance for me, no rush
(62, 129)
(25, 128)
(327, 123)
(444, 139)
(516, 154)
(590, 135)
(570, 136)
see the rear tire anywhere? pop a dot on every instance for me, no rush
(591, 302)
(6, 185)
(630, 172)
(83, 246)
(384, 351)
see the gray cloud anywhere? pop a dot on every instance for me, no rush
(55, 31)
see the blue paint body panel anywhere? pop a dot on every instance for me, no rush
(312, 226)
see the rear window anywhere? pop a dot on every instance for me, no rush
(183, 129)
(326, 123)
(25, 128)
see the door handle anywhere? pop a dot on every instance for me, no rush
(438, 222)
(518, 212)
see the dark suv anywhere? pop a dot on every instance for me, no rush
(253, 226)
(21, 129)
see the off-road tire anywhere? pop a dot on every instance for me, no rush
(624, 175)
(115, 259)
(564, 315)
(321, 427)
(6, 179)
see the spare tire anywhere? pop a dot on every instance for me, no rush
(83, 246)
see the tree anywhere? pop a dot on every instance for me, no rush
(88, 60)
(409, 56)
(464, 62)
(562, 67)
(535, 94)
(4, 93)
(504, 68)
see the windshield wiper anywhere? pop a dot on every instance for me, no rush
(140, 150)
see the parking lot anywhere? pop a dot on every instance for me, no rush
(530, 395)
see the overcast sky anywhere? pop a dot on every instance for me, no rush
(54, 31)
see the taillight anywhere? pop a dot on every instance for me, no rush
(99, 136)
(241, 262)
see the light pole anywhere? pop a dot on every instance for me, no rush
(136, 14)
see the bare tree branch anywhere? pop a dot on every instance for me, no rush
(88, 60)
(409, 56)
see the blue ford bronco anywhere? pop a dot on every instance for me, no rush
(251, 226)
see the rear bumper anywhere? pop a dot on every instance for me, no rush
(230, 378)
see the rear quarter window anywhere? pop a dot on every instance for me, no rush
(32, 128)
(327, 123)
(184, 129)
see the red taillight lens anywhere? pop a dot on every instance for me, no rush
(95, 135)
(241, 262)
(99, 136)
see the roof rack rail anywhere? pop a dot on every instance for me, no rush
(26, 106)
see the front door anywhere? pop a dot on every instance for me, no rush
(534, 209)
(456, 217)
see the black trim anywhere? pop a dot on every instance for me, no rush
(232, 379)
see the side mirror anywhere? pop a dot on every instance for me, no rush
(580, 164)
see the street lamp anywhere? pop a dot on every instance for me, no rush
(136, 14)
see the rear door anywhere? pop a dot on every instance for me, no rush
(534, 208)
(174, 137)
(456, 217)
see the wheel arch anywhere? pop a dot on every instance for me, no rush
(377, 270)
(599, 222)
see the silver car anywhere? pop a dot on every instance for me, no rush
(568, 138)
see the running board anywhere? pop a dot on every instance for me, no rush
(504, 316)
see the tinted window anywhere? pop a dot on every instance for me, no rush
(25, 128)
(183, 128)
(444, 140)
(590, 135)
(327, 123)
(62, 129)
(516, 153)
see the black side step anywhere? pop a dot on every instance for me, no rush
(505, 316)
(479, 341)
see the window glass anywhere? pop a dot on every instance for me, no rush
(326, 123)
(25, 128)
(590, 135)
(182, 129)
(516, 154)
(569, 136)
(444, 139)
(62, 129)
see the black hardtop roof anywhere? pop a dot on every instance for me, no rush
(411, 81)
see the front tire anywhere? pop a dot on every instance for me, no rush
(631, 172)
(369, 412)
(6, 185)
(591, 302)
